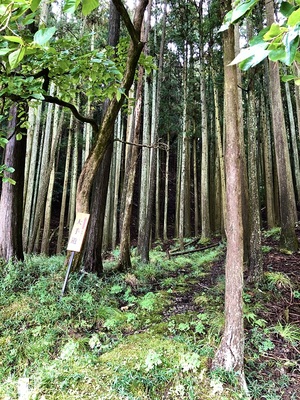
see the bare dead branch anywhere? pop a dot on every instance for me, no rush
(158, 145)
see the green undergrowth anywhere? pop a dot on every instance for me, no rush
(149, 333)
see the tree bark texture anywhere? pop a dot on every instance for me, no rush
(287, 203)
(11, 203)
(230, 354)
(92, 258)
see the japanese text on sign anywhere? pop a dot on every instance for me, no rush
(78, 232)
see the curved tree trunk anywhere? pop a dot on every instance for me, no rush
(92, 258)
(105, 134)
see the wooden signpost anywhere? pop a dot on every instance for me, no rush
(75, 242)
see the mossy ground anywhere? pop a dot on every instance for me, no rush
(147, 334)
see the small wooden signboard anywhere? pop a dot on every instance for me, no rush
(78, 232)
(75, 242)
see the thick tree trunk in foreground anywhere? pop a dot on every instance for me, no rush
(92, 259)
(11, 203)
(230, 354)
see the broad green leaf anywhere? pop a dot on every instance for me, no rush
(9, 180)
(294, 18)
(5, 51)
(16, 57)
(277, 54)
(291, 49)
(251, 51)
(34, 4)
(118, 95)
(253, 60)
(42, 36)
(88, 6)
(259, 38)
(19, 136)
(286, 8)
(3, 141)
(241, 9)
(14, 39)
(29, 19)
(287, 78)
(70, 6)
(38, 96)
(274, 31)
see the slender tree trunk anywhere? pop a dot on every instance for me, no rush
(60, 235)
(145, 164)
(296, 70)
(295, 152)
(184, 150)
(178, 186)
(57, 129)
(47, 165)
(118, 155)
(157, 196)
(230, 354)
(220, 155)
(166, 199)
(29, 204)
(255, 259)
(74, 170)
(205, 212)
(287, 204)
(245, 187)
(146, 234)
(270, 192)
(124, 262)
(187, 207)
(196, 200)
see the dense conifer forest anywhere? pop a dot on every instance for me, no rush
(152, 147)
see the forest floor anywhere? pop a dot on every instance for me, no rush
(281, 360)
(147, 334)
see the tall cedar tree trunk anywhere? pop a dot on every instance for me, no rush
(287, 204)
(107, 127)
(59, 244)
(270, 193)
(145, 235)
(255, 256)
(124, 262)
(205, 201)
(92, 259)
(182, 204)
(220, 156)
(296, 166)
(30, 188)
(11, 203)
(230, 354)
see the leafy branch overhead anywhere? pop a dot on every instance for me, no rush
(278, 42)
(26, 52)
